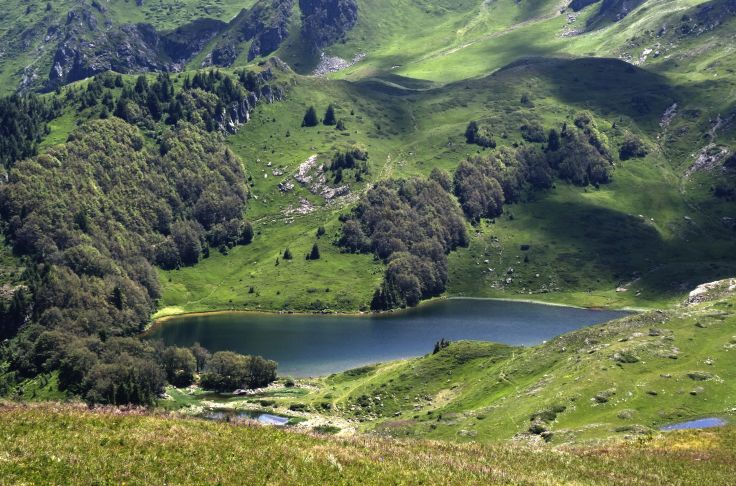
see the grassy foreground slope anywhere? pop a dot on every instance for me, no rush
(52, 444)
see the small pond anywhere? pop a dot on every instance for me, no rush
(224, 414)
(704, 423)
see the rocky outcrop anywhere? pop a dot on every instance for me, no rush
(711, 291)
(265, 25)
(233, 116)
(325, 22)
(612, 11)
(85, 50)
(131, 48)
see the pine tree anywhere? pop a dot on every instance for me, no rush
(341, 125)
(471, 132)
(310, 118)
(314, 254)
(330, 116)
(553, 141)
(287, 254)
(247, 234)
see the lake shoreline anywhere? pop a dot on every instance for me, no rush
(155, 322)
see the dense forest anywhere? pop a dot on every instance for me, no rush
(146, 181)
(23, 122)
(411, 225)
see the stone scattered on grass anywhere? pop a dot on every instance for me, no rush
(699, 376)
(625, 357)
(627, 414)
(697, 391)
(604, 396)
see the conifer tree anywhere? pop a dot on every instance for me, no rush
(330, 116)
(314, 254)
(310, 118)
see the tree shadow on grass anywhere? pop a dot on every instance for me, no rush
(607, 86)
(625, 248)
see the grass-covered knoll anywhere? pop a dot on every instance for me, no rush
(626, 377)
(54, 444)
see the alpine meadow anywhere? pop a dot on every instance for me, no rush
(368, 242)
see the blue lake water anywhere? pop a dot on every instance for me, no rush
(315, 345)
(703, 423)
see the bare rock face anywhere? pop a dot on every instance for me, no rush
(711, 291)
(325, 22)
(85, 50)
(265, 25)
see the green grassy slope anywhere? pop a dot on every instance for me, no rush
(628, 376)
(649, 230)
(67, 445)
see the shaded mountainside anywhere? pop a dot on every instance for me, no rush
(326, 22)
(264, 26)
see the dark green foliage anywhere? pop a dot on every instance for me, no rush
(632, 147)
(412, 225)
(320, 231)
(479, 135)
(246, 236)
(314, 254)
(22, 125)
(479, 192)
(354, 159)
(440, 345)
(442, 178)
(330, 116)
(201, 356)
(484, 184)
(227, 371)
(471, 131)
(129, 379)
(90, 215)
(116, 371)
(580, 162)
(179, 364)
(211, 100)
(533, 132)
(340, 125)
(553, 141)
(288, 255)
(310, 118)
